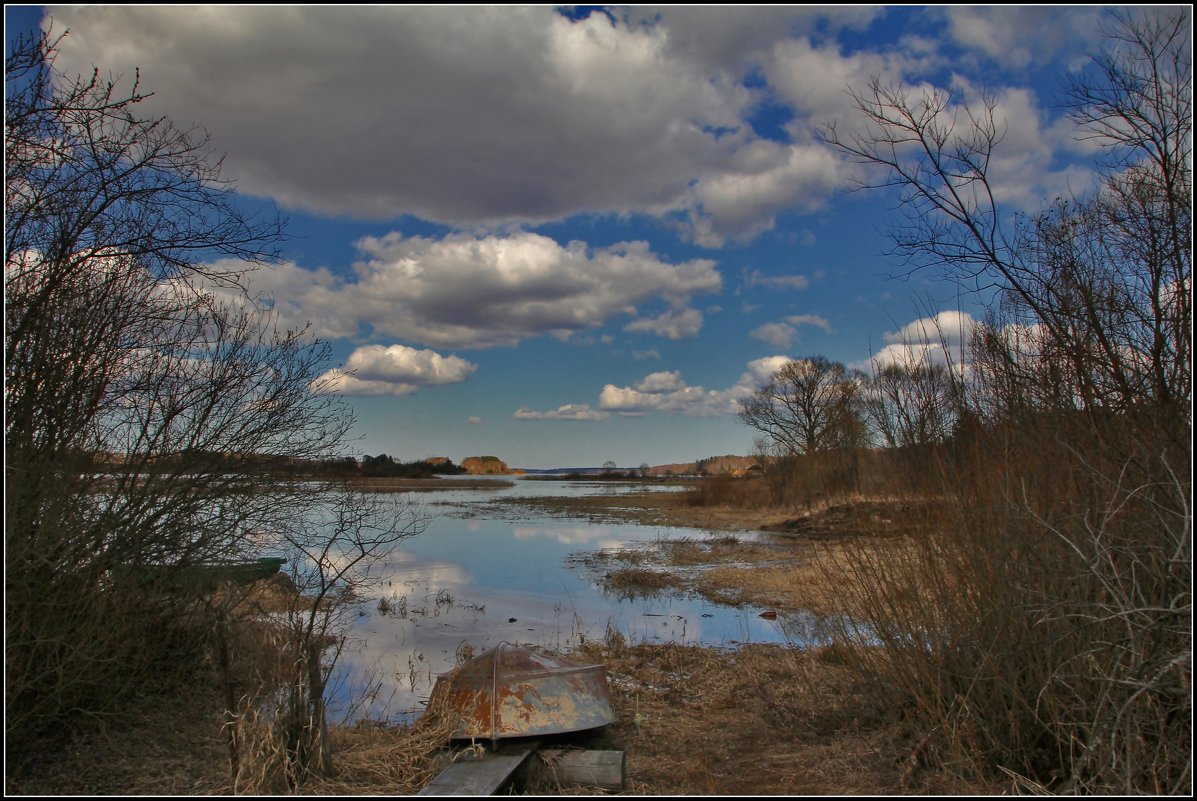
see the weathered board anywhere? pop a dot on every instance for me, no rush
(481, 776)
(604, 770)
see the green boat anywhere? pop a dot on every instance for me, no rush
(204, 575)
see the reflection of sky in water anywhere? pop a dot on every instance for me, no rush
(482, 581)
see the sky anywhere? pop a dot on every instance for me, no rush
(566, 236)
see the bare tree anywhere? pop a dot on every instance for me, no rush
(808, 406)
(142, 412)
(813, 427)
(1108, 277)
(1075, 486)
(910, 406)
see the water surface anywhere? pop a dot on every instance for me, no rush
(476, 577)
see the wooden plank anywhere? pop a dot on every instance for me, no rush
(603, 770)
(481, 776)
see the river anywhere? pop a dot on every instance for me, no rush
(476, 577)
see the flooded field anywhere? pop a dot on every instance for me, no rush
(481, 574)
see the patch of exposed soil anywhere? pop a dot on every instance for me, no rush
(874, 518)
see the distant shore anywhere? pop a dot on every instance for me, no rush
(392, 484)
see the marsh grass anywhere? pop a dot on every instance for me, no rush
(727, 490)
(758, 720)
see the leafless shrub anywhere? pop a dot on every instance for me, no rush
(147, 398)
(1042, 629)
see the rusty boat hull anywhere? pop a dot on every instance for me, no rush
(510, 692)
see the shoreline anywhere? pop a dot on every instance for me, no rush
(757, 720)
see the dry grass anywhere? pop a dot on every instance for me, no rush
(725, 490)
(631, 582)
(159, 746)
(377, 760)
(179, 746)
(788, 575)
(653, 509)
(763, 720)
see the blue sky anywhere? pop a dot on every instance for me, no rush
(564, 238)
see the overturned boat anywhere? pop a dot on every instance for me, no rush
(511, 691)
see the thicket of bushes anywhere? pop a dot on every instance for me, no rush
(1040, 630)
(122, 339)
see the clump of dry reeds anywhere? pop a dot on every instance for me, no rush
(1041, 628)
(389, 760)
(747, 492)
(365, 758)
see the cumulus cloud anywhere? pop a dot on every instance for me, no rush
(1025, 171)
(395, 370)
(939, 340)
(781, 335)
(570, 411)
(478, 117)
(811, 79)
(1019, 36)
(480, 291)
(667, 392)
(662, 382)
(762, 179)
(726, 37)
(401, 363)
(948, 327)
(671, 324)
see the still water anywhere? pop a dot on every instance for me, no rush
(476, 577)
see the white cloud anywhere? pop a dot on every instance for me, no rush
(1024, 172)
(727, 37)
(570, 411)
(395, 370)
(671, 324)
(760, 371)
(667, 392)
(467, 291)
(763, 178)
(338, 381)
(940, 340)
(1019, 36)
(813, 80)
(662, 382)
(809, 319)
(948, 327)
(474, 420)
(781, 335)
(401, 363)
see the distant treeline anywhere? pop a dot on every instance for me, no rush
(195, 461)
(383, 465)
(592, 474)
